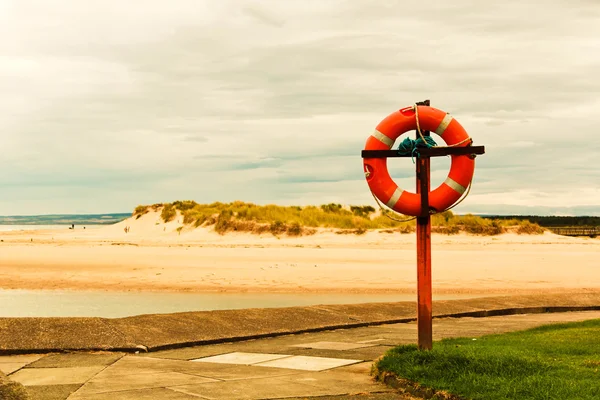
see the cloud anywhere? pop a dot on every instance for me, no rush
(199, 139)
(272, 101)
(262, 15)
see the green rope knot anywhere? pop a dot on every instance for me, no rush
(410, 146)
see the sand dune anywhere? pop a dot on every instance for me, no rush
(154, 256)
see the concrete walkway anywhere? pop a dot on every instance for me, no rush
(325, 365)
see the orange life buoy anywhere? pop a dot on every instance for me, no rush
(383, 138)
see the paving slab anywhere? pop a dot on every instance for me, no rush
(276, 345)
(10, 364)
(364, 353)
(307, 363)
(307, 385)
(241, 358)
(246, 372)
(333, 345)
(372, 341)
(255, 389)
(142, 394)
(107, 384)
(51, 392)
(75, 360)
(9, 368)
(134, 365)
(55, 376)
(339, 382)
(21, 358)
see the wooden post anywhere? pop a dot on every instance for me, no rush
(424, 309)
(424, 303)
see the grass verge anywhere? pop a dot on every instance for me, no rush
(549, 362)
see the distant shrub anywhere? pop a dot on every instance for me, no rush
(446, 230)
(198, 221)
(406, 228)
(332, 208)
(259, 229)
(443, 218)
(479, 226)
(241, 226)
(184, 205)
(168, 213)
(223, 222)
(140, 210)
(529, 228)
(295, 229)
(362, 211)
(278, 228)
(188, 218)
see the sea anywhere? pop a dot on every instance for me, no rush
(9, 228)
(52, 221)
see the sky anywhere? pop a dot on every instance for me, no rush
(108, 104)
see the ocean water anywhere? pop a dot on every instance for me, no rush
(9, 228)
(50, 303)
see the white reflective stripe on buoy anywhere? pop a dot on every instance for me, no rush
(383, 139)
(391, 203)
(455, 185)
(444, 124)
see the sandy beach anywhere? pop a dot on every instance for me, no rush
(154, 256)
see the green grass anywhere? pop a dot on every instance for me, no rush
(549, 362)
(296, 221)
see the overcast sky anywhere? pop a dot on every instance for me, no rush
(107, 104)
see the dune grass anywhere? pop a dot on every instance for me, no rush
(296, 220)
(548, 362)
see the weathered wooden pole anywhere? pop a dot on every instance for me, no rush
(424, 293)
